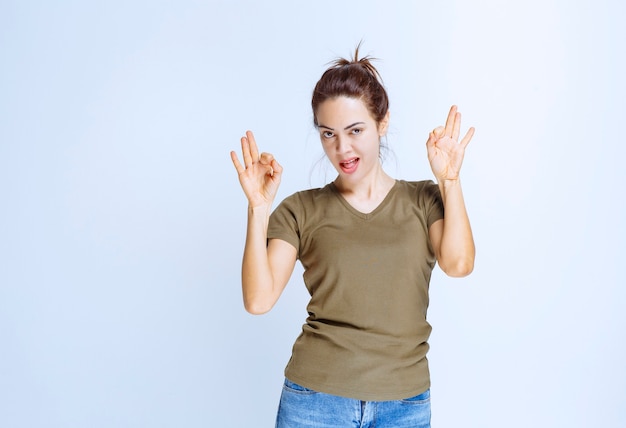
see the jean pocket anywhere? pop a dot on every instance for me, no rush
(424, 397)
(299, 389)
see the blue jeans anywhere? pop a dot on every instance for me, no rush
(304, 408)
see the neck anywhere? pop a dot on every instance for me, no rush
(370, 188)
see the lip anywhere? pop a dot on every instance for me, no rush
(348, 166)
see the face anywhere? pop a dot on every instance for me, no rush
(350, 137)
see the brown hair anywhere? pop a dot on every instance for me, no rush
(356, 78)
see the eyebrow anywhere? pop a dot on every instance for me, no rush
(345, 129)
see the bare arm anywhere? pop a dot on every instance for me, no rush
(266, 267)
(451, 237)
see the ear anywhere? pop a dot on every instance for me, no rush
(383, 125)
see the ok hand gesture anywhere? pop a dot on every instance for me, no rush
(259, 176)
(445, 153)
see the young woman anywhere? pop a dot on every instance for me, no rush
(368, 244)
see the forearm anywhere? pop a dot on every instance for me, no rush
(457, 250)
(256, 275)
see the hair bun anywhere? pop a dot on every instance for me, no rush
(354, 78)
(364, 62)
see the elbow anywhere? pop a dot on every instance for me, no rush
(256, 310)
(459, 268)
(258, 297)
(460, 271)
(254, 307)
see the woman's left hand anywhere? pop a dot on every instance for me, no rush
(445, 152)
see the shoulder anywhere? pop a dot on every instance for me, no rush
(309, 196)
(425, 197)
(299, 210)
(303, 204)
(422, 190)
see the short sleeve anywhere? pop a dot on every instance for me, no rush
(433, 204)
(283, 222)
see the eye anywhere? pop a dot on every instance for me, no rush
(327, 134)
(356, 131)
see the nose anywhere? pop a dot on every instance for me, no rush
(342, 144)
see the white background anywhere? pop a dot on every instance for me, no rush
(122, 221)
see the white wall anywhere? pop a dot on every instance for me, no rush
(122, 221)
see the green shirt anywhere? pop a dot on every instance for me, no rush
(368, 275)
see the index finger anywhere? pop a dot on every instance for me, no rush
(266, 158)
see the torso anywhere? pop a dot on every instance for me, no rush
(367, 273)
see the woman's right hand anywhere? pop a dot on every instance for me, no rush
(259, 175)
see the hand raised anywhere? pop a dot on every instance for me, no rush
(260, 175)
(445, 153)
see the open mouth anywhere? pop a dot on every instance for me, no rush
(349, 165)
